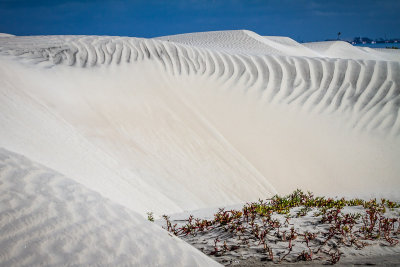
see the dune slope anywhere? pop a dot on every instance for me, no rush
(202, 119)
(49, 220)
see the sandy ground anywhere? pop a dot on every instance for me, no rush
(48, 219)
(194, 121)
(249, 251)
(388, 260)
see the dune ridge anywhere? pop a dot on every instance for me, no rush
(367, 91)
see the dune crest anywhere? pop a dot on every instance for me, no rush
(367, 90)
(6, 35)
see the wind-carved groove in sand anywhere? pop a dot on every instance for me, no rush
(288, 72)
(366, 91)
(315, 75)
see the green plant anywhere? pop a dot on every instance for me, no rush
(255, 225)
(150, 216)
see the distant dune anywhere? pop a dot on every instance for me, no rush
(6, 35)
(197, 120)
(340, 49)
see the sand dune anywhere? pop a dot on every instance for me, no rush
(50, 220)
(340, 49)
(318, 84)
(205, 119)
(241, 42)
(6, 35)
(160, 131)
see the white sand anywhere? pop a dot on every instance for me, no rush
(50, 220)
(251, 253)
(6, 35)
(202, 120)
(341, 49)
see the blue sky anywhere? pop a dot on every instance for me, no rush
(303, 20)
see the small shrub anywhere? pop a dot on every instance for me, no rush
(150, 216)
(255, 226)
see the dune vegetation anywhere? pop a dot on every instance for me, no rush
(271, 230)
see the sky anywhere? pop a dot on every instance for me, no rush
(302, 20)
